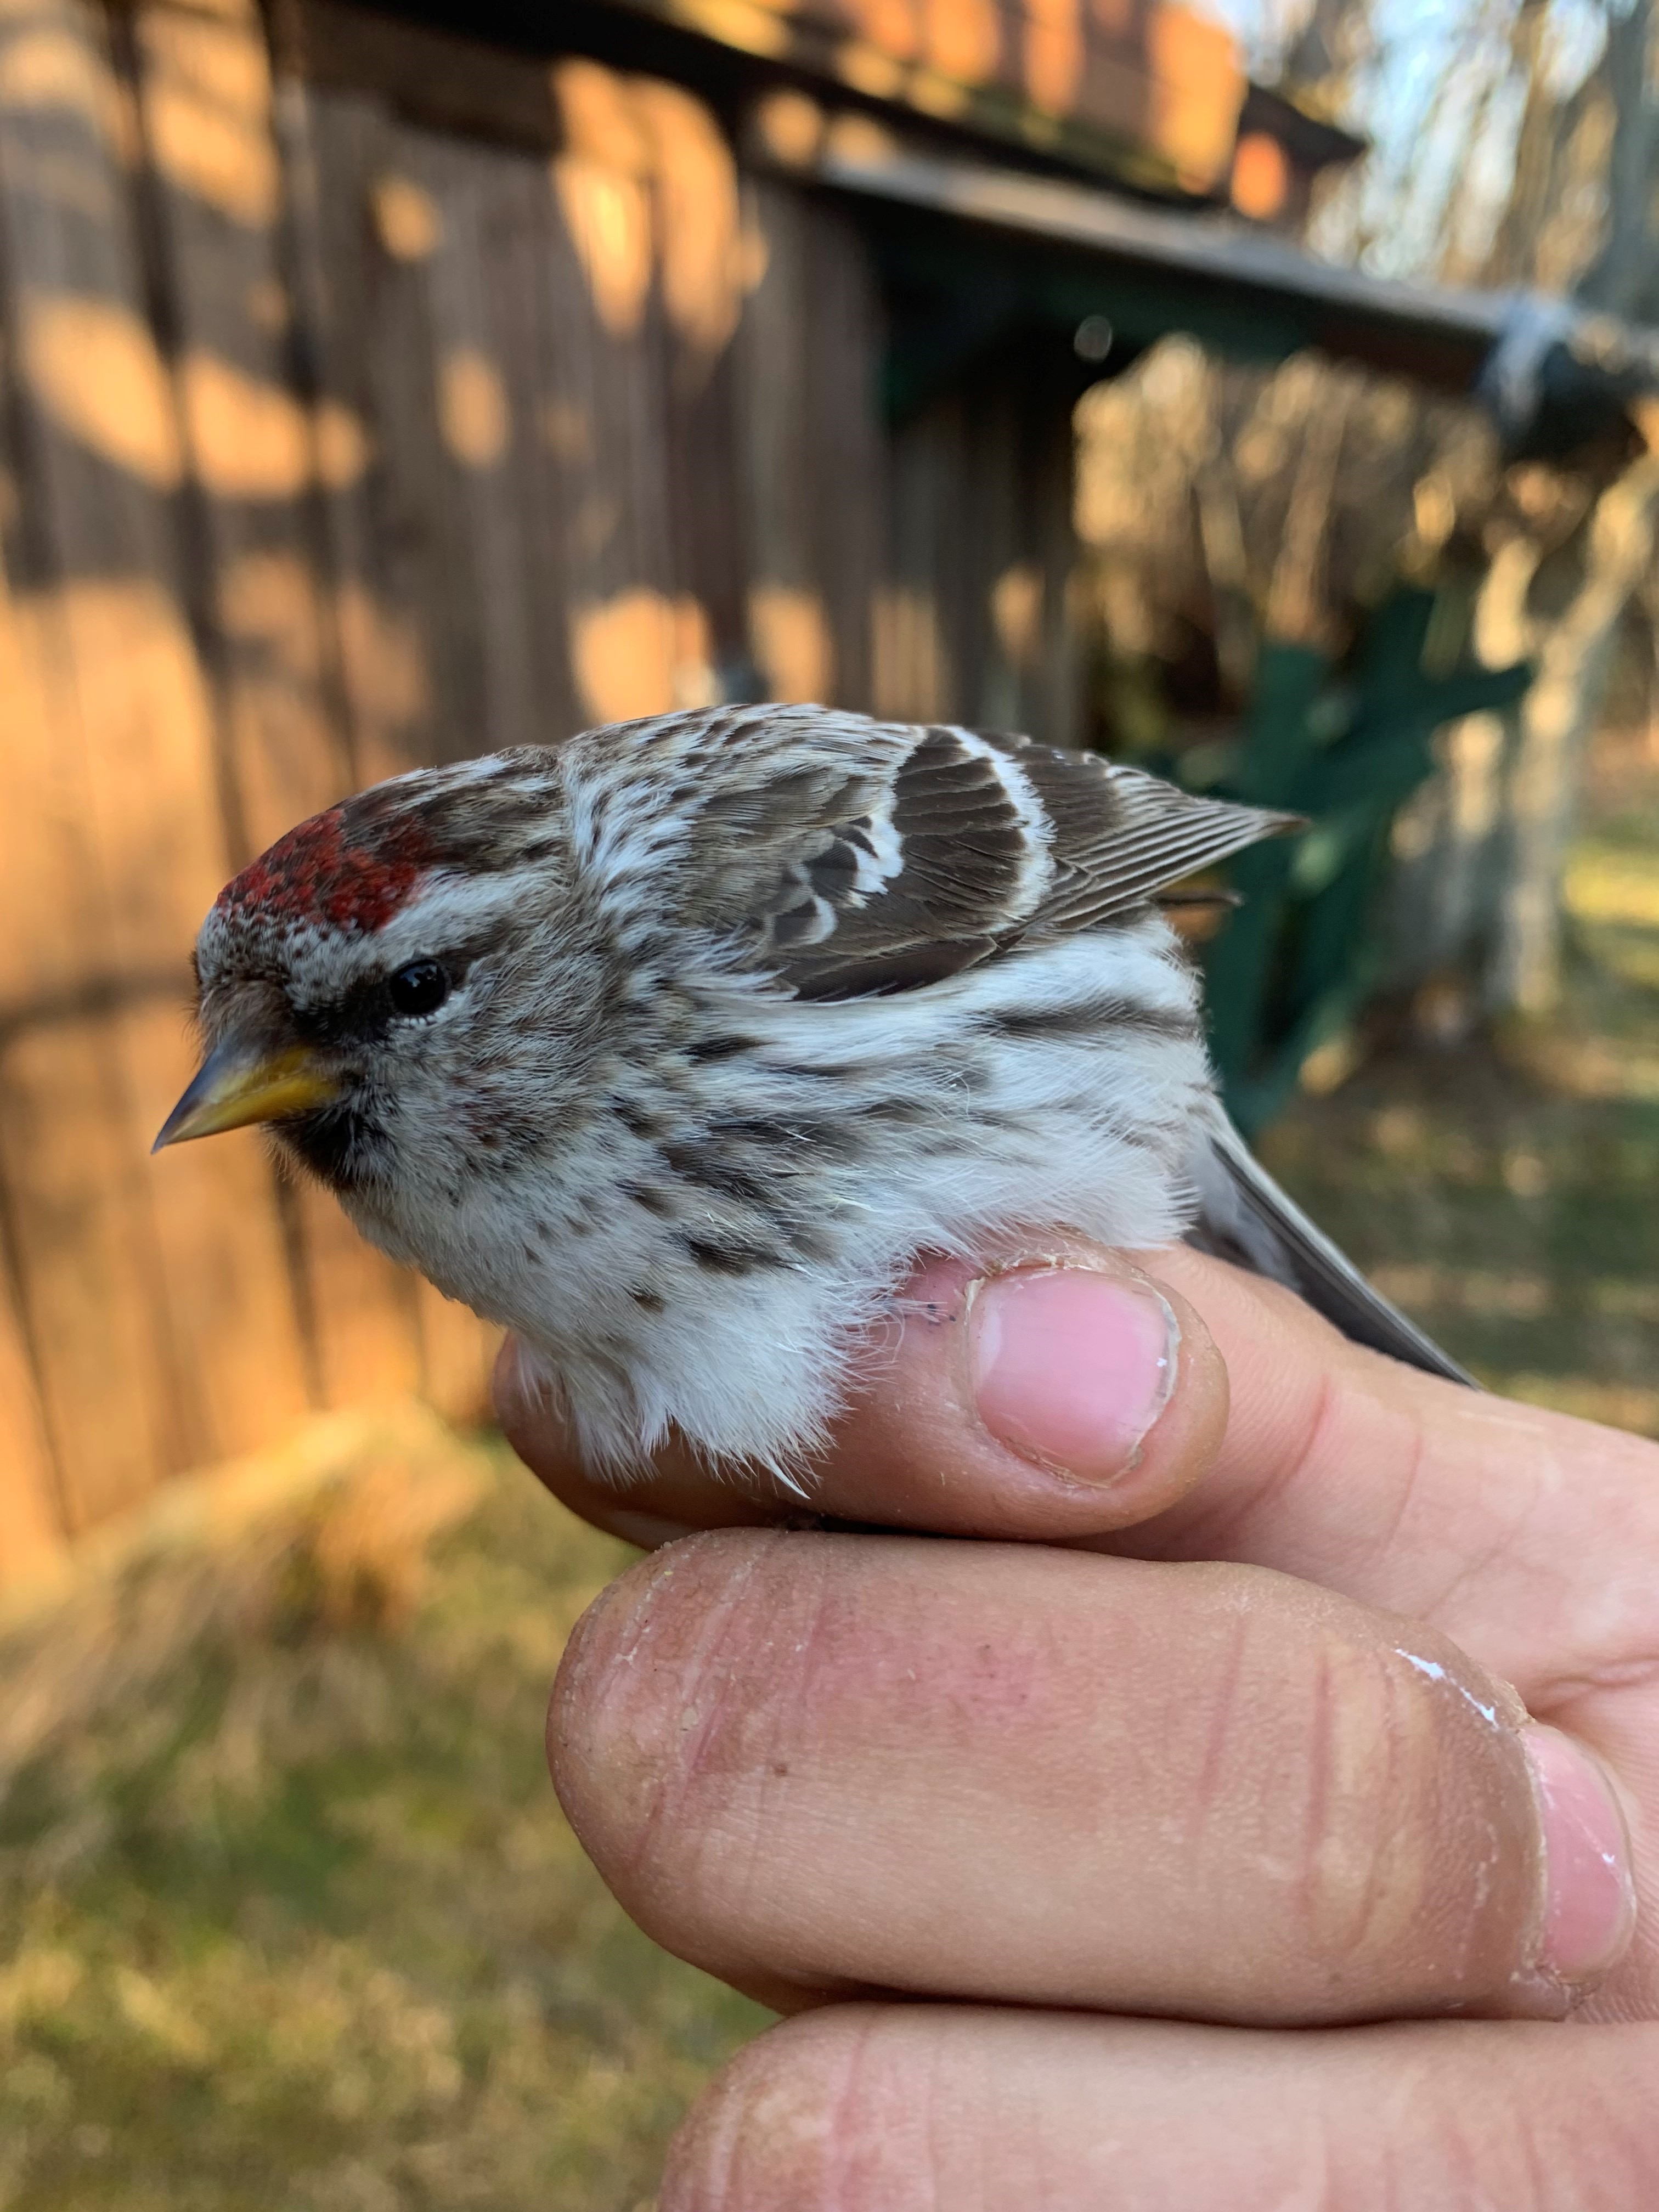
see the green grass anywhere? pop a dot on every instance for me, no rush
(296, 1923)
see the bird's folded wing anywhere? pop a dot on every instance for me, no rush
(947, 847)
(1120, 836)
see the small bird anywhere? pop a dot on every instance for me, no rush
(673, 1046)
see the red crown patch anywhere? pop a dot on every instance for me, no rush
(313, 874)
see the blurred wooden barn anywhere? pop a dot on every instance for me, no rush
(379, 389)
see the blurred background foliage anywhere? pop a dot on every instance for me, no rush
(1317, 587)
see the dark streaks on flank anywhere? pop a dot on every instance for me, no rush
(651, 1199)
(800, 1132)
(711, 1168)
(808, 1243)
(634, 1119)
(1091, 1017)
(725, 1045)
(903, 1113)
(732, 1259)
(849, 1073)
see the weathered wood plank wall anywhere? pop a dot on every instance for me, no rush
(372, 399)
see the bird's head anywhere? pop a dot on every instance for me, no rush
(370, 986)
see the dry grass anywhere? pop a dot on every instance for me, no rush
(336, 1524)
(290, 1918)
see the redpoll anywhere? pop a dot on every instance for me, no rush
(671, 1048)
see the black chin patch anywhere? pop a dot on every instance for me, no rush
(342, 1145)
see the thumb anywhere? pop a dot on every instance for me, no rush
(1061, 1394)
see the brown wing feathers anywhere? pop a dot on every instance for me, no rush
(963, 854)
(1120, 836)
(972, 866)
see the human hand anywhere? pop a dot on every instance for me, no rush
(1219, 1727)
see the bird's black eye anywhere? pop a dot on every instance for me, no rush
(420, 988)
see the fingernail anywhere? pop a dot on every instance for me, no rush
(1589, 1907)
(1070, 1368)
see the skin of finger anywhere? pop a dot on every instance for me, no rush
(1010, 1772)
(1531, 1538)
(910, 1452)
(890, 2107)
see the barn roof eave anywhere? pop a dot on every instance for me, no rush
(1551, 374)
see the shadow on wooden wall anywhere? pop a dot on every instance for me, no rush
(372, 399)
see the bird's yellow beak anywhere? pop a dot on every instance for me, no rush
(236, 1084)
